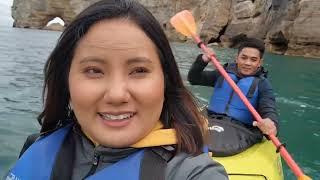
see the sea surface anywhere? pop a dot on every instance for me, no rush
(23, 52)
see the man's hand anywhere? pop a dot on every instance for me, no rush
(205, 57)
(267, 126)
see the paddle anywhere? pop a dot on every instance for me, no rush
(184, 23)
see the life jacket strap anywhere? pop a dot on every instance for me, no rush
(253, 87)
(154, 163)
(219, 82)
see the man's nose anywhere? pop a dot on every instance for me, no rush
(247, 62)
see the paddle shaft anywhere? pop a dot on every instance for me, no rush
(284, 153)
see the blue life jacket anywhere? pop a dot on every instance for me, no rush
(45, 150)
(225, 101)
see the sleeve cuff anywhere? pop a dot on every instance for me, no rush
(200, 61)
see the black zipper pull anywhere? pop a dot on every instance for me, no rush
(95, 163)
(95, 159)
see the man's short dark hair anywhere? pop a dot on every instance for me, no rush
(253, 43)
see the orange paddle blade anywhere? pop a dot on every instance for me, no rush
(304, 177)
(184, 23)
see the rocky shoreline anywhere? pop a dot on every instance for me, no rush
(289, 27)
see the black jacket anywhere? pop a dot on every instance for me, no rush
(266, 100)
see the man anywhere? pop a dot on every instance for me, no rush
(232, 127)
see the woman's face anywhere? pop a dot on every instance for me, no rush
(116, 83)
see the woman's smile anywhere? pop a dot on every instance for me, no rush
(117, 119)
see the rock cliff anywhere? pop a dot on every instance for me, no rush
(288, 26)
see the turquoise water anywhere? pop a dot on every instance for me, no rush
(296, 82)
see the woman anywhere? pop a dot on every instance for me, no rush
(115, 104)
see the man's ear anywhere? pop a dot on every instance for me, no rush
(261, 62)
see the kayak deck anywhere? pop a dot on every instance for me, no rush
(258, 162)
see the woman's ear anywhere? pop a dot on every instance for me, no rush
(70, 105)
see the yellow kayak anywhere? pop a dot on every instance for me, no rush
(259, 162)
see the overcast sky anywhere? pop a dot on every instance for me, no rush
(5, 13)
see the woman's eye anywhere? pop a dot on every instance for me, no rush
(93, 72)
(139, 71)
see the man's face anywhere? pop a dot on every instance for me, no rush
(248, 61)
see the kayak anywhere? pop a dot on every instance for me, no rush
(259, 162)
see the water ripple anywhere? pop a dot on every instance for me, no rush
(10, 100)
(297, 103)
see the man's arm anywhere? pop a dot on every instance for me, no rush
(197, 75)
(267, 108)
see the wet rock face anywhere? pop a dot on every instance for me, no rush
(287, 26)
(305, 30)
(211, 15)
(277, 43)
(37, 13)
(251, 17)
(299, 29)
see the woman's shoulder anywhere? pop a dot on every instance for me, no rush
(29, 141)
(201, 167)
